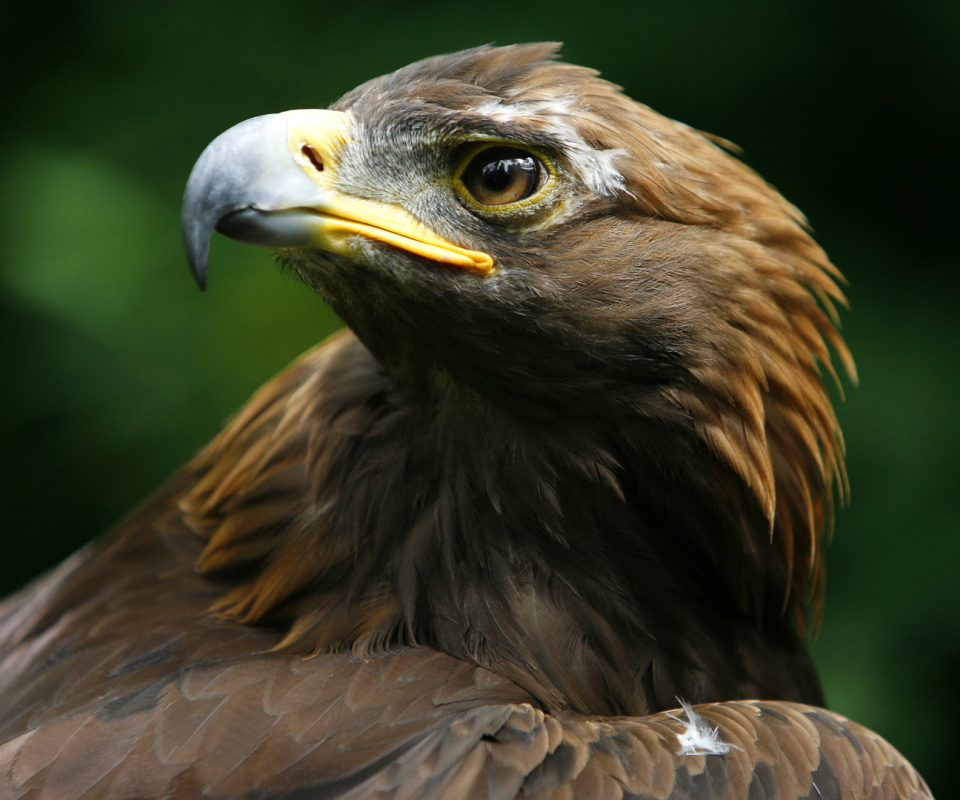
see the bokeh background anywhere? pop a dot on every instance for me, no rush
(115, 369)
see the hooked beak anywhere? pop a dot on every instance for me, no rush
(271, 181)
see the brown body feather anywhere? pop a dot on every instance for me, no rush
(116, 684)
(464, 551)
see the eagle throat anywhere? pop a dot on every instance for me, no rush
(571, 563)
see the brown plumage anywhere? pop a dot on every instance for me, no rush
(574, 462)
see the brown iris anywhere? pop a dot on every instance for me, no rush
(501, 175)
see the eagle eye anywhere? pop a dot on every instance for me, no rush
(501, 175)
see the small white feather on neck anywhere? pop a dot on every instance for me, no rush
(697, 737)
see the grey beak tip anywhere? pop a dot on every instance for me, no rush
(196, 243)
(228, 178)
(199, 270)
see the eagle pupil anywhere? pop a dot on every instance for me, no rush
(497, 176)
(501, 175)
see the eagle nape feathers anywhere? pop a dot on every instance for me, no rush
(570, 466)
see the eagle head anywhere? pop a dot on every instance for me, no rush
(599, 424)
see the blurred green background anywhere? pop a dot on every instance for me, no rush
(116, 369)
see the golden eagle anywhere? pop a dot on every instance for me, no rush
(569, 469)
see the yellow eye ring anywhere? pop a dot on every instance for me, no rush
(499, 177)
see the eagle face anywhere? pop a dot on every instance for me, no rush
(478, 174)
(600, 339)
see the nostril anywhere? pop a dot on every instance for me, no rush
(313, 155)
